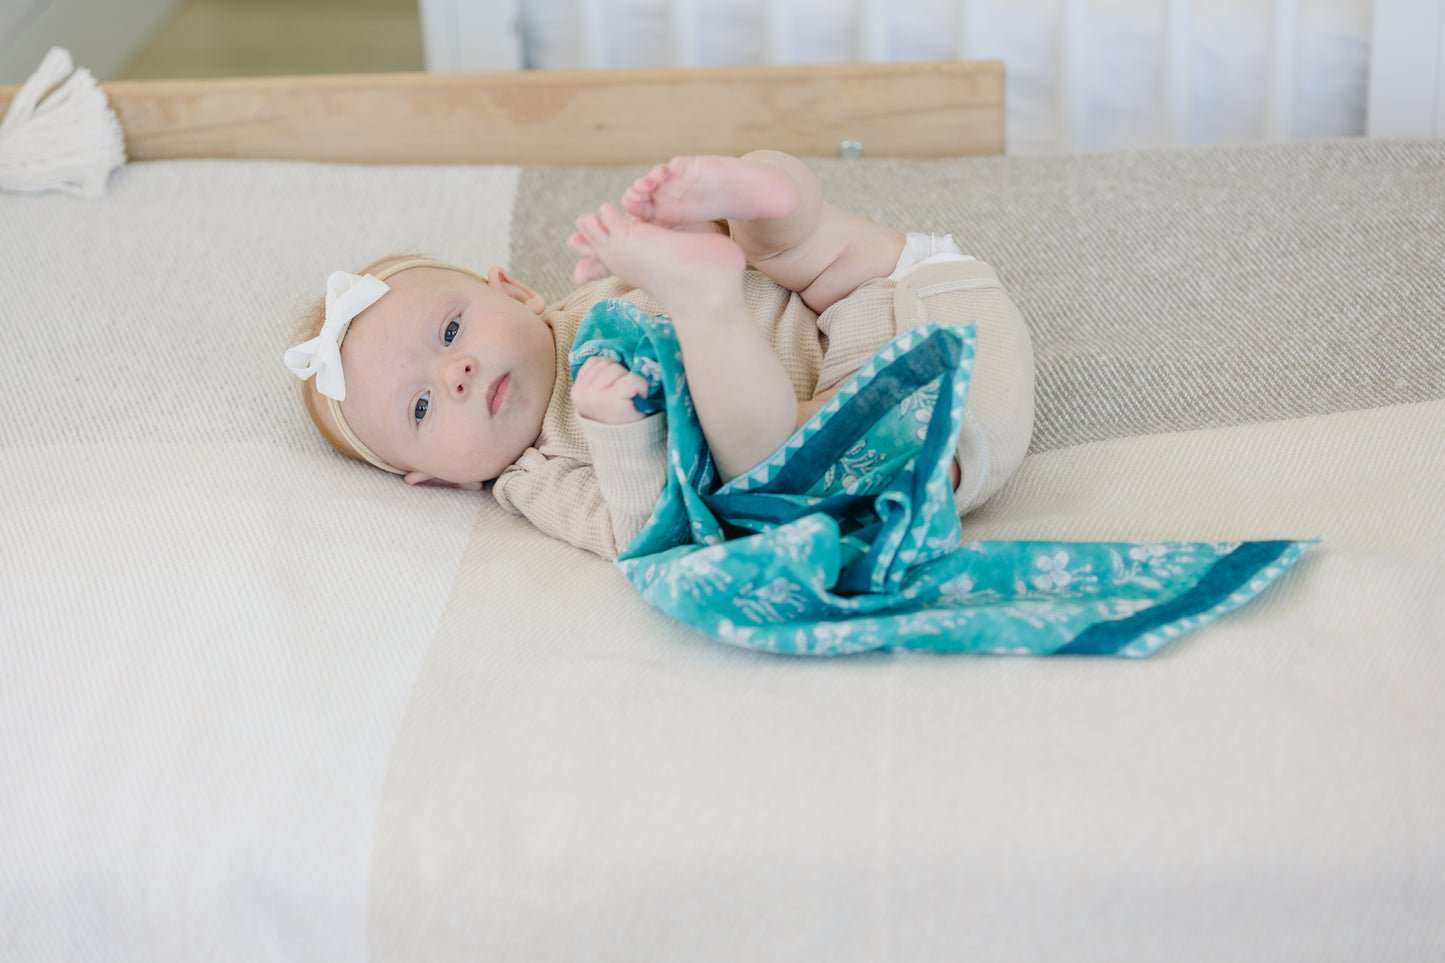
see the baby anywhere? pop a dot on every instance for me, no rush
(459, 378)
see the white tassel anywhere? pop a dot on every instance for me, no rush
(65, 140)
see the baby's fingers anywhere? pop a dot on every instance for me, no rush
(594, 369)
(629, 386)
(605, 374)
(603, 391)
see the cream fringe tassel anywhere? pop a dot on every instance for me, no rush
(60, 133)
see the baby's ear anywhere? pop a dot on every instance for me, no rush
(418, 478)
(516, 290)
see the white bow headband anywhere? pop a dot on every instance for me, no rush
(347, 295)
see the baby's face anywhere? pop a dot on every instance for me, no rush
(448, 378)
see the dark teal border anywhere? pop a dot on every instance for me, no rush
(1222, 580)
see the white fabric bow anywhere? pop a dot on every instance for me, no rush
(347, 295)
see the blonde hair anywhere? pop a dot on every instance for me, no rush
(309, 326)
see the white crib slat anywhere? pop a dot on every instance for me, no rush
(439, 35)
(686, 51)
(1439, 128)
(475, 35)
(1178, 62)
(591, 33)
(1283, 57)
(870, 22)
(968, 26)
(1407, 69)
(1074, 72)
(778, 31)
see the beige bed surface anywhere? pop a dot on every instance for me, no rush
(263, 703)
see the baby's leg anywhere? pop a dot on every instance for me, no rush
(998, 420)
(743, 397)
(777, 215)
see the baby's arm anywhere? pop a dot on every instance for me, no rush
(599, 504)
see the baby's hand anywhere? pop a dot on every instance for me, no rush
(603, 391)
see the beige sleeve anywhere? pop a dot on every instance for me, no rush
(601, 507)
(631, 465)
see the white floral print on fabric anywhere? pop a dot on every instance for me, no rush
(845, 540)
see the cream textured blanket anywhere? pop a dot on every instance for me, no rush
(264, 703)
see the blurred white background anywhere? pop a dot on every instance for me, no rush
(1082, 74)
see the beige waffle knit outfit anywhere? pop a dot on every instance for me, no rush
(596, 485)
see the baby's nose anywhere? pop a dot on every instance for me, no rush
(460, 373)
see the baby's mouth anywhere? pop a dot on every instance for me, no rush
(497, 393)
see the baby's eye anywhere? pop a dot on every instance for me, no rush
(453, 326)
(422, 404)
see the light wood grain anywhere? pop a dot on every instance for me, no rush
(568, 117)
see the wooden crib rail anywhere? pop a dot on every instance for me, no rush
(569, 117)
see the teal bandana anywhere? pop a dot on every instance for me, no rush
(846, 540)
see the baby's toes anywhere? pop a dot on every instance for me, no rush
(637, 200)
(655, 178)
(589, 269)
(638, 203)
(580, 245)
(611, 219)
(591, 230)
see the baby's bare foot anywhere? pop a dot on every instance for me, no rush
(679, 268)
(690, 190)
